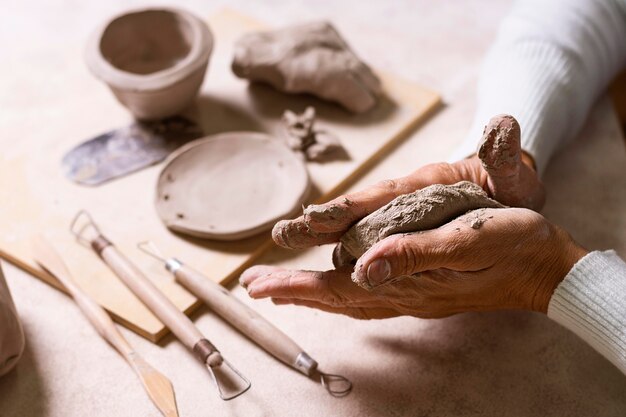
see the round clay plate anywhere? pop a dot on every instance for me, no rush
(230, 186)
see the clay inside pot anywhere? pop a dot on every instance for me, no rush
(146, 41)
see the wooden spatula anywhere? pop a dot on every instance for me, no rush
(158, 387)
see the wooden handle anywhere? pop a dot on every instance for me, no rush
(152, 297)
(157, 385)
(48, 258)
(245, 319)
(103, 323)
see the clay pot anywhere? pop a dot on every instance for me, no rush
(153, 60)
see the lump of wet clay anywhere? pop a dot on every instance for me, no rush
(424, 209)
(316, 145)
(308, 58)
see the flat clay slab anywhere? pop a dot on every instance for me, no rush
(230, 186)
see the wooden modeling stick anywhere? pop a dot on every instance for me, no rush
(88, 233)
(156, 384)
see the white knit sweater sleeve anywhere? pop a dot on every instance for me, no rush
(551, 60)
(591, 302)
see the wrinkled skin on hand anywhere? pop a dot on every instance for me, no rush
(308, 58)
(514, 261)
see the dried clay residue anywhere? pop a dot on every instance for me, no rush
(476, 218)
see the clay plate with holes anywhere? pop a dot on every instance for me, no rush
(230, 186)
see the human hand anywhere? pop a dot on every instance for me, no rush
(500, 168)
(515, 260)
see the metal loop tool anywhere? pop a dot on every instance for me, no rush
(247, 321)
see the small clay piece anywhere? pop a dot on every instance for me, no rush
(230, 186)
(153, 60)
(476, 218)
(424, 209)
(308, 58)
(315, 145)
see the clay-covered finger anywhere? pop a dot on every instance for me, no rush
(339, 214)
(406, 254)
(510, 180)
(361, 313)
(256, 271)
(295, 234)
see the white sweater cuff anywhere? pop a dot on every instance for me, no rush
(591, 302)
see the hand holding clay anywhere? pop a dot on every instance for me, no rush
(514, 260)
(309, 58)
(500, 168)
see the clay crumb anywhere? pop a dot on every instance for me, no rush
(314, 144)
(476, 218)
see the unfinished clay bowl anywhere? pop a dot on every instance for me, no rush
(153, 60)
(230, 186)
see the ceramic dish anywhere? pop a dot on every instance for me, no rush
(230, 186)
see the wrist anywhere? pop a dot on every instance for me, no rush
(555, 268)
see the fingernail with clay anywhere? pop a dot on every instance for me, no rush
(378, 271)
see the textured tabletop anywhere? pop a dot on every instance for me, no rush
(494, 364)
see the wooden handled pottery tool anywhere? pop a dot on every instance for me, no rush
(88, 233)
(248, 321)
(156, 384)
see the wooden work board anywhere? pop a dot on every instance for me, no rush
(37, 199)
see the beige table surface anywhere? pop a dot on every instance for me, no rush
(496, 364)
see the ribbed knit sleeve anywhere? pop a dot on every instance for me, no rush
(591, 302)
(550, 62)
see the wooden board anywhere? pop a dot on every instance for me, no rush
(36, 198)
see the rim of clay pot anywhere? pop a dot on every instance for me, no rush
(197, 56)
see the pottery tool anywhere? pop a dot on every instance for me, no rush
(128, 149)
(248, 321)
(88, 234)
(230, 186)
(158, 387)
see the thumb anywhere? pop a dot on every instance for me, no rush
(402, 255)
